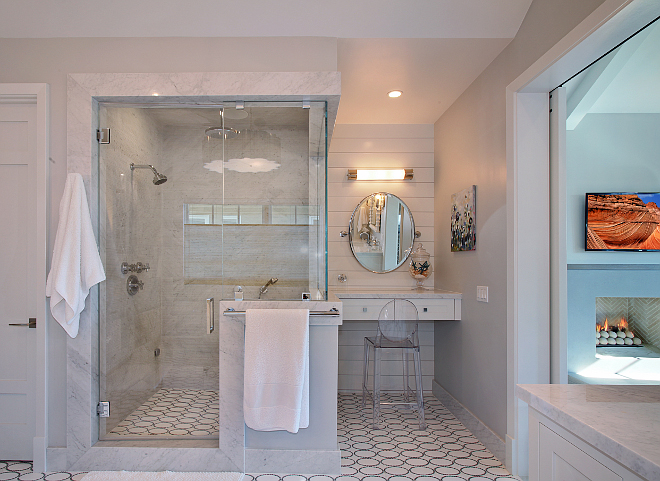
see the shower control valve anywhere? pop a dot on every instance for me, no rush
(133, 284)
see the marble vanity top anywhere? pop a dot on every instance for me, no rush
(621, 421)
(390, 293)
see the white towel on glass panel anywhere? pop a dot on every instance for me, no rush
(276, 380)
(76, 264)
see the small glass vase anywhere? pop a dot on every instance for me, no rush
(420, 265)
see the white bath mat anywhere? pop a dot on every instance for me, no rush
(159, 476)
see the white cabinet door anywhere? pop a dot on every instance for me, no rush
(560, 460)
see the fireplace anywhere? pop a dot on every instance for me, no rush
(627, 321)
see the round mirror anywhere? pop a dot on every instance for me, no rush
(381, 232)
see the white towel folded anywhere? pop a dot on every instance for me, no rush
(76, 264)
(276, 380)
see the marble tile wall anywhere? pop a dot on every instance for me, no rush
(130, 206)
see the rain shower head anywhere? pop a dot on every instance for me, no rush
(158, 178)
(221, 132)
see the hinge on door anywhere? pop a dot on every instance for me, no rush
(103, 136)
(103, 409)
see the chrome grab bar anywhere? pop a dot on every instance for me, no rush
(332, 312)
(210, 315)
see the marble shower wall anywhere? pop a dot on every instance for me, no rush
(131, 221)
(252, 253)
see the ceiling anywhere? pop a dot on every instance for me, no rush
(430, 49)
(623, 82)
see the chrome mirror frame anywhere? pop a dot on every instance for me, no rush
(360, 236)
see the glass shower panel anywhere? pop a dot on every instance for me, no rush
(274, 170)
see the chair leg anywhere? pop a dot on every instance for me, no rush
(420, 389)
(406, 380)
(365, 373)
(376, 393)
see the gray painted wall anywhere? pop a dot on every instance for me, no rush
(50, 60)
(471, 356)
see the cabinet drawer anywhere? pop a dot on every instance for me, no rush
(435, 309)
(428, 309)
(363, 309)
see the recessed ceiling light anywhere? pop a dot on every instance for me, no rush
(395, 93)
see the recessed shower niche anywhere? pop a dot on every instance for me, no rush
(242, 204)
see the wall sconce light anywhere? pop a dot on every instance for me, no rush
(380, 174)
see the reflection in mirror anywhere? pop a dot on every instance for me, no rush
(381, 232)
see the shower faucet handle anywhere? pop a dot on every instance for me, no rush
(140, 267)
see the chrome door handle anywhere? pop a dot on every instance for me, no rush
(32, 324)
(210, 315)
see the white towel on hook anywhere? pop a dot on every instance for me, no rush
(276, 379)
(76, 265)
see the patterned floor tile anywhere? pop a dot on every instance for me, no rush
(173, 412)
(396, 451)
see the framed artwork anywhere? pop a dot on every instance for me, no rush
(463, 220)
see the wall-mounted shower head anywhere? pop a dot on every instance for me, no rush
(158, 178)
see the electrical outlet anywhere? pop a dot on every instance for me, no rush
(482, 293)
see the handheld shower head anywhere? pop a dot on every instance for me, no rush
(263, 289)
(158, 178)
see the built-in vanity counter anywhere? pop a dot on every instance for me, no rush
(361, 307)
(432, 304)
(593, 432)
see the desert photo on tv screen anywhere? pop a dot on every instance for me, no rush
(623, 221)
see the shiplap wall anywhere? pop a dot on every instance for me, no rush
(374, 146)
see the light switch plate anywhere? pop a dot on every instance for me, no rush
(482, 293)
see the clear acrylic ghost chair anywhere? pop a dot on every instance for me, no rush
(397, 329)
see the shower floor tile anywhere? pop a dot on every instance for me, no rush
(173, 412)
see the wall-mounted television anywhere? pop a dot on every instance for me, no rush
(622, 221)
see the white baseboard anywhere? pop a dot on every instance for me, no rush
(39, 454)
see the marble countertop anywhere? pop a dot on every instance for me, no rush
(621, 421)
(394, 293)
(311, 305)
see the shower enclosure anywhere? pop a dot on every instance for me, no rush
(198, 202)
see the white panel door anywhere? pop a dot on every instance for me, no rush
(19, 275)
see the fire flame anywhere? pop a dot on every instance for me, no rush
(622, 325)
